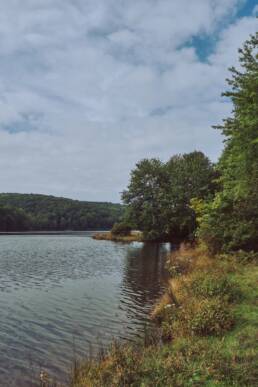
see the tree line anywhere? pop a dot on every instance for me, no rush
(31, 212)
(189, 196)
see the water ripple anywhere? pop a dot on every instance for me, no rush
(62, 295)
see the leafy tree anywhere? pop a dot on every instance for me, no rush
(146, 198)
(121, 229)
(191, 175)
(230, 221)
(158, 196)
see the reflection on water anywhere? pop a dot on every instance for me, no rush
(143, 278)
(62, 295)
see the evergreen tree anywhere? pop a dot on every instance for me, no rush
(230, 221)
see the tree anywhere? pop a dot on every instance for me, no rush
(158, 196)
(122, 229)
(230, 221)
(191, 175)
(145, 198)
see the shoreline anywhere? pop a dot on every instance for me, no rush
(67, 232)
(108, 236)
(203, 319)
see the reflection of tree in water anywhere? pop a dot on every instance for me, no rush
(144, 278)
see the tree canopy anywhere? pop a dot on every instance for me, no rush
(13, 219)
(158, 195)
(230, 221)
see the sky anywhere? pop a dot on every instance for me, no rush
(90, 87)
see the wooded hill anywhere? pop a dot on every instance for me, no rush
(33, 212)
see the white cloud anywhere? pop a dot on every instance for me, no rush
(255, 10)
(100, 84)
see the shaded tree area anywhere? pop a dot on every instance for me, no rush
(159, 194)
(49, 213)
(13, 219)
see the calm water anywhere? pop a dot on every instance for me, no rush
(63, 296)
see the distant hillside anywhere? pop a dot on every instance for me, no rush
(21, 212)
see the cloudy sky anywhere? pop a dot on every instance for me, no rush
(89, 87)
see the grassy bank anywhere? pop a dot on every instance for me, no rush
(206, 330)
(108, 236)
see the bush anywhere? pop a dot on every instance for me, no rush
(183, 260)
(247, 257)
(227, 225)
(122, 229)
(179, 265)
(216, 285)
(212, 317)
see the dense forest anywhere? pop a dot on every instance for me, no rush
(31, 212)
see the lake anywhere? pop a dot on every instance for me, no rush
(66, 296)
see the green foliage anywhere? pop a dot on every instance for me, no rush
(191, 176)
(158, 196)
(204, 314)
(215, 285)
(13, 219)
(49, 213)
(226, 225)
(121, 229)
(230, 221)
(246, 257)
(146, 198)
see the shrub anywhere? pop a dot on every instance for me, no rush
(211, 317)
(182, 260)
(247, 256)
(227, 225)
(215, 285)
(178, 265)
(162, 309)
(122, 229)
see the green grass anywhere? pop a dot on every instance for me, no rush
(227, 358)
